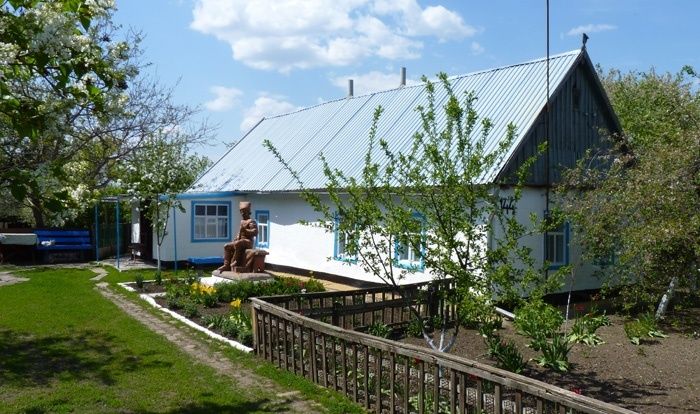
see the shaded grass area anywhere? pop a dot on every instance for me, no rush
(66, 349)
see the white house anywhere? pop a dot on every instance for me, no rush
(579, 113)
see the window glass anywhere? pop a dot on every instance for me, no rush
(556, 246)
(210, 221)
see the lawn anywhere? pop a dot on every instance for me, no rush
(65, 348)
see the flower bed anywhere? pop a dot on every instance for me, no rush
(224, 307)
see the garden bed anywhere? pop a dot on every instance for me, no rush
(660, 375)
(222, 309)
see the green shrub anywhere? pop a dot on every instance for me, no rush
(138, 278)
(475, 310)
(209, 299)
(555, 353)
(506, 354)
(278, 286)
(415, 328)
(538, 321)
(189, 309)
(643, 327)
(158, 277)
(379, 329)
(584, 328)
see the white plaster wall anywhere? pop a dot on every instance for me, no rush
(311, 248)
(534, 200)
(303, 246)
(180, 225)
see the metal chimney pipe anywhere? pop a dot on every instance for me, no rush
(403, 76)
(351, 89)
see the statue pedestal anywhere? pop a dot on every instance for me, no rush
(237, 277)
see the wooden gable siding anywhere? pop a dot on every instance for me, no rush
(579, 114)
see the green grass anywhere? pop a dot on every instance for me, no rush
(64, 348)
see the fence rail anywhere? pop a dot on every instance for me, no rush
(386, 376)
(356, 309)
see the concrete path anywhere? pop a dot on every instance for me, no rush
(7, 278)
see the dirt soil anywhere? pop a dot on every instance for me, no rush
(658, 376)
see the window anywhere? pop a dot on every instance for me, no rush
(210, 221)
(342, 242)
(410, 254)
(556, 248)
(263, 219)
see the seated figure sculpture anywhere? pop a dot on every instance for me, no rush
(235, 251)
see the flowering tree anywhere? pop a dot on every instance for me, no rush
(56, 63)
(434, 201)
(75, 106)
(155, 173)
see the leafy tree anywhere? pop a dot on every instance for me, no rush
(74, 106)
(637, 203)
(434, 200)
(57, 62)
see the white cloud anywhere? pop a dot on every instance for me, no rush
(265, 106)
(476, 48)
(370, 82)
(283, 35)
(225, 98)
(590, 28)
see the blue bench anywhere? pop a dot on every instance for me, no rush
(63, 245)
(207, 260)
(63, 240)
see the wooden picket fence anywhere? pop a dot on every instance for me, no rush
(314, 336)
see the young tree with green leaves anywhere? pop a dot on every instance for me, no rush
(636, 205)
(435, 202)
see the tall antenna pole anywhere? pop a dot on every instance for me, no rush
(546, 121)
(547, 150)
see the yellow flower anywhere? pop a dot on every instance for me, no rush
(236, 303)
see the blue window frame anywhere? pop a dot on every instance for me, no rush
(341, 242)
(262, 217)
(556, 246)
(210, 221)
(407, 255)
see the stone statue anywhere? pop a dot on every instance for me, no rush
(235, 252)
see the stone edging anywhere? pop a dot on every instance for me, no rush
(149, 299)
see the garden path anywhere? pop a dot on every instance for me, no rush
(203, 353)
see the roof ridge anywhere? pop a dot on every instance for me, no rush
(464, 75)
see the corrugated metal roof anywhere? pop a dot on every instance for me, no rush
(339, 129)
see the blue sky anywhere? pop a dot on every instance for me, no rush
(241, 60)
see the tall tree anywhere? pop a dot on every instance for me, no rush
(58, 62)
(77, 105)
(638, 210)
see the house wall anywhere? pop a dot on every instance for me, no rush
(178, 244)
(306, 247)
(533, 200)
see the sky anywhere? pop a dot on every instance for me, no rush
(238, 61)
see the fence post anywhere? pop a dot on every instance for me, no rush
(254, 319)
(335, 317)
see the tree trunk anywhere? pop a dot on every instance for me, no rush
(37, 212)
(666, 298)
(158, 258)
